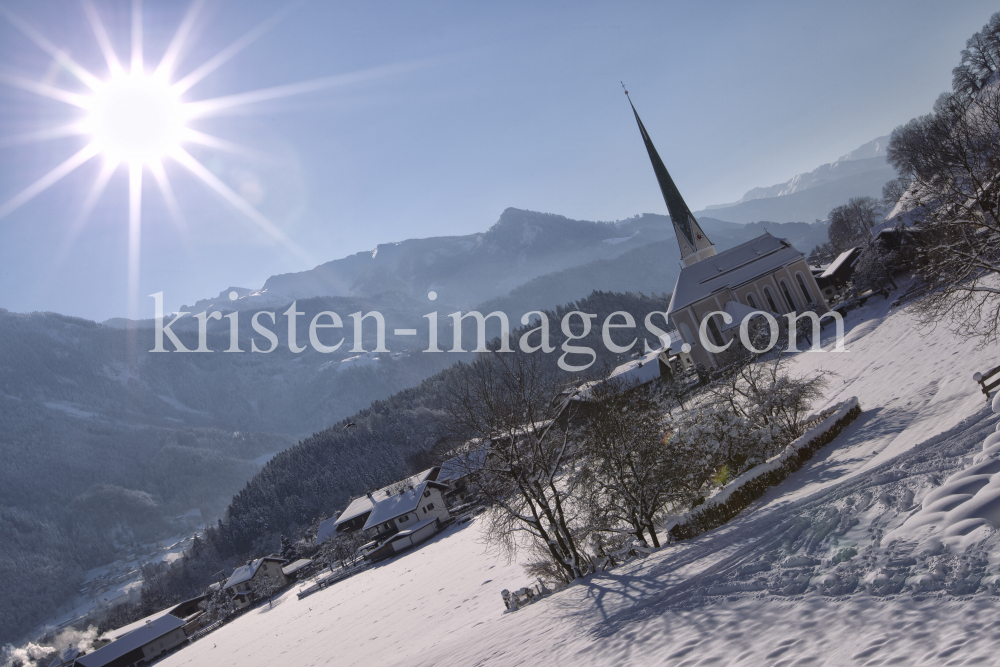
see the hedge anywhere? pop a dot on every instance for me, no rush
(751, 485)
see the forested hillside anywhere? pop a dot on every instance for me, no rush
(101, 450)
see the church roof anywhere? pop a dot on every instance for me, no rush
(732, 268)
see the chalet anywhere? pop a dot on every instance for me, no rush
(407, 518)
(833, 279)
(356, 515)
(189, 611)
(666, 362)
(295, 568)
(140, 646)
(253, 576)
(766, 273)
(455, 472)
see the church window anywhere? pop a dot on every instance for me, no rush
(787, 295)
(805, 290)
(751, 302)
(686, 334)
(716, 334)
(770, 300)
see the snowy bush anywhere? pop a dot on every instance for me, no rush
(736, 496)
(750, 412)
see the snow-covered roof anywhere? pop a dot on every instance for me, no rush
(118, 633)
(364, 504)
(415, 527)
(357, 507)
(295, 566)
(904, 220)
(132, 641)
(65, 657)
(398, 504)
(731, 268)
(837, 263)
(246, 572)
(639, 371)
(458, 467)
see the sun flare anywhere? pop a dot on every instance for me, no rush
(136, 118)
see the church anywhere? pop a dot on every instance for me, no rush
(764, 274)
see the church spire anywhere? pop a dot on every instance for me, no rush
(693, 242)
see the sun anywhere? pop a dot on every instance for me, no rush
(136, 118)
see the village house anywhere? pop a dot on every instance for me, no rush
(189, 611)
(667, 362)
(457, 471)
(139, 646)
(833, 278)
(766, 274)
(293, 570)
(357, 512)
(407, 518)
(254, 576)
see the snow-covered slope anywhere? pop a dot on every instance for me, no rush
(805, 576)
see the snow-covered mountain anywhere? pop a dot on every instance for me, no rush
(465, 270)
(559, 258)
(810, 196)
(525, 247)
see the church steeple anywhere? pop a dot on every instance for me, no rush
(693, 241)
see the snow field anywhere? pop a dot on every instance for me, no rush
(448, 586)
(825, 569)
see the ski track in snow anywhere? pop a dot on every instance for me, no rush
(778, 585)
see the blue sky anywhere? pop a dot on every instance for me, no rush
(458, 111)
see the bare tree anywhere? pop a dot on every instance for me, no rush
(342, 547)
(893, 191)
(953, 155)
(630, 476)
(980, 60)
(874, 269)
(529, 477)
(824, 252)
(851, 224)
(267, 587)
